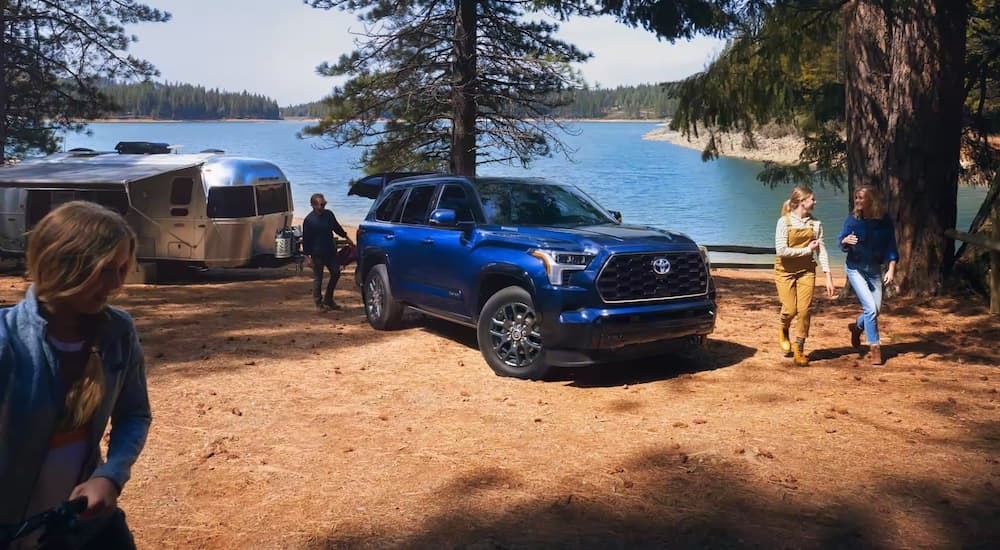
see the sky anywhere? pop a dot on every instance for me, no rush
(272, 48)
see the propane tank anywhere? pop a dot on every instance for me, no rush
(284, 241)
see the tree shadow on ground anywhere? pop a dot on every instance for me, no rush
(184, 324)
(189, 276)
(666, 498)
(889, 351)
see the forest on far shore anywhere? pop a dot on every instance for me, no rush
(176, 101)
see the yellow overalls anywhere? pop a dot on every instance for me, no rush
(795, 278)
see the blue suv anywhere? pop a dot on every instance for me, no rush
(545, 275)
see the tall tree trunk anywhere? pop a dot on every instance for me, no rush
(927, 52)
(463, 128)
(866, 46)
(3, 83)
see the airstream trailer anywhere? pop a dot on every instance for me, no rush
(204, 209)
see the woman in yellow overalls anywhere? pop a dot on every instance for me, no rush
(798, 244)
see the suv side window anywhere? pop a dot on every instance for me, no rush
(454, 197)
(417, 204)
(387, 208)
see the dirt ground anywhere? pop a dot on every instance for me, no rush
(277, 427)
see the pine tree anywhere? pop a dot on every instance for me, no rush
(448, 85)
(54, 57)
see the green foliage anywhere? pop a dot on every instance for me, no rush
(785, 66)
(982, 84)
(187, 102)
(675, 19)
(55, 56)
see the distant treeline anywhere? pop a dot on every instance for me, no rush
(165, 101)
(649, 101)
(187, 102)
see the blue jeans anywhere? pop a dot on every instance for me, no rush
(867, 284)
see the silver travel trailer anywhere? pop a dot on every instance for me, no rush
(203, 210)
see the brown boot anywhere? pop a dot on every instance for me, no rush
(876, 355)
(786, 344)
(855, 334)
(800, 354)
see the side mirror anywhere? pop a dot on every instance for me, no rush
(617, 215)
(444, 217)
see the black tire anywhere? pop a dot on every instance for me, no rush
(509, 333)
(381, 309)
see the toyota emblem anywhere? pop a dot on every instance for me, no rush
(661, 266)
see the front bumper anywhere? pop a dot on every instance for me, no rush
(587, 336)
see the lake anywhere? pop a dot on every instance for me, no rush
(650, 182)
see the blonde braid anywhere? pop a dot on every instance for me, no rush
(85, 395)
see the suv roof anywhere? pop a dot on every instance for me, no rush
(421, 178)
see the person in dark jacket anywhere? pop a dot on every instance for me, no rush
(69, 364)
(321, 250)
(869, 239)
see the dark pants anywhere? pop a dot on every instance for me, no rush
(332, 263)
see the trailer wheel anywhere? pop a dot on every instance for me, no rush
(381, 309)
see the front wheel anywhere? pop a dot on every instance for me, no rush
(510, 337)
(381, 309)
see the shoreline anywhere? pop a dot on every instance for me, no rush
(783, 150)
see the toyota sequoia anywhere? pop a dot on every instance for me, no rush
(545, 275)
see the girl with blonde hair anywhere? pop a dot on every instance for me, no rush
(69, 363)
(798, 244)
(869, 239)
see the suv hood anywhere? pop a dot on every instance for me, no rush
(600, 236)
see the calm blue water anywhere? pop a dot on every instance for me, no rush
(650, 182)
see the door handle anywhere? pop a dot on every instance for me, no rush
(427, 241)
(389, 237)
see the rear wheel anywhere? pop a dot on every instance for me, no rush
(510, 337)
(381, 309)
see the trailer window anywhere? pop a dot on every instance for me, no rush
(180, 191)
(272, 198)
(114, 200)
(231, 202)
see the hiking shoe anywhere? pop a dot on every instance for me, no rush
(332, 306)
(855, 334)
(320, 308)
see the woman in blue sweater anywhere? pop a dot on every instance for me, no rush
(869, 239)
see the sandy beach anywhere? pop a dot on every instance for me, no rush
(784, 150)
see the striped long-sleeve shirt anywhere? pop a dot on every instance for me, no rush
(781, 240)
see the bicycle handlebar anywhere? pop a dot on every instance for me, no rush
(58, 518)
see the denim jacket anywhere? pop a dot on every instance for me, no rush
(876, 242)
(30, 403)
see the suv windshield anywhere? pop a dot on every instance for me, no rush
(507, 202)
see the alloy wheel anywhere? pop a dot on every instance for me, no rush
(514, 334)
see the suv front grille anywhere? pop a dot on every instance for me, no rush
(630, 277)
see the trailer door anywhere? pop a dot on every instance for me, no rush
(181, 224)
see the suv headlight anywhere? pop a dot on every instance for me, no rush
(558, 263)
